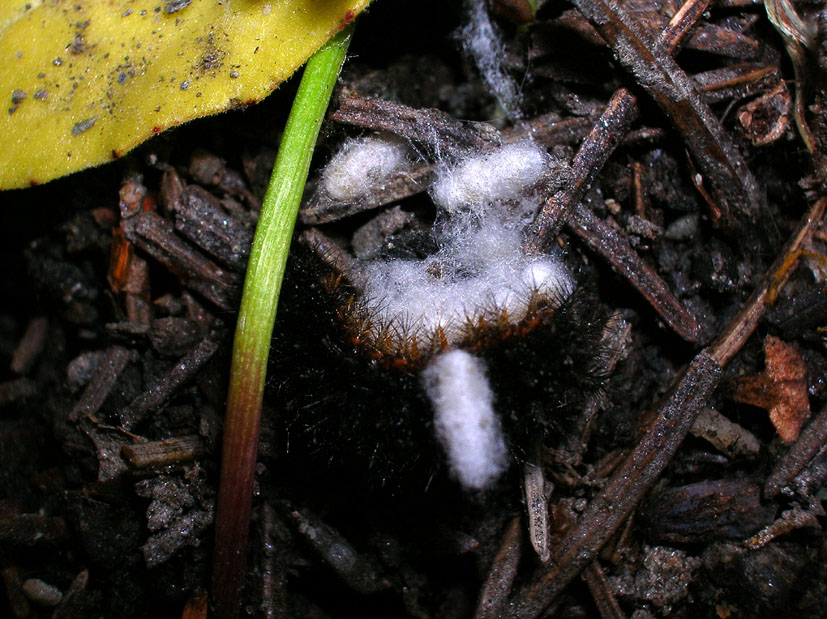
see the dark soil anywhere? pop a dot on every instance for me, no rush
(117, 308)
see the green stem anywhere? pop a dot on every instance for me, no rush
(254, 329)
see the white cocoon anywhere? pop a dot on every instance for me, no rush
(361, 164)
(490, 177)
(464, 418)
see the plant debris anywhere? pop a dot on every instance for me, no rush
(781, 388)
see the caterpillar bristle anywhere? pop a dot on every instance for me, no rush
(414, 349)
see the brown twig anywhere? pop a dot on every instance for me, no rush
(738, 81)
(738, 195)
(742, 326)
(356, 570)
(565, 206)
(162, 453)
(196, 606)
(111, 365)
(601, 592)
(200, 218)
(273, 580)
(587, 164)
(549, 129)
(155, 235)
(441, 132)
(494, 593)
(811, 439)
(627, 486)
(675, 418)
(705, 37)
(590, 159)
(791, 519)
(169, 383)
(331, 253)
(610, 244)
(682, 24)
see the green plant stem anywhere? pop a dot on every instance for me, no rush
(257, 315)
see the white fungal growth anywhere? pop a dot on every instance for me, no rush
(479, 272)
(362, 164)
(549, 277)
(482, 41)
(490, 177)
(464, 418)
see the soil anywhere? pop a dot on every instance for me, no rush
(117, 306)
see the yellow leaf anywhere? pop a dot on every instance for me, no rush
(85, 81)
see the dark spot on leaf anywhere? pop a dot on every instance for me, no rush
(18, 95)
(173, 6)
(84, 125)
(156, 129)
(184, 85)
(121, 78)
(57, 62)
(211, 60)
(12, 110)
(78, 45)
(41, 95)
